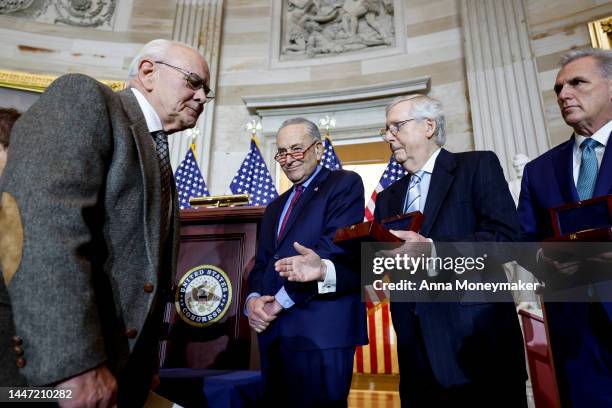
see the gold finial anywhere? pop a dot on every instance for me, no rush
(327, 123)
(253, 126)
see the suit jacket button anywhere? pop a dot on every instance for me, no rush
(17, 341)
(20, 362)
(18, 350)
(131, 333)
(148, 287)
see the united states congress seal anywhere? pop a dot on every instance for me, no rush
(203, 295)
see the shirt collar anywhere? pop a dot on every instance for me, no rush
(602, 135)
(428, 167)
(312, 176)
(152, 118)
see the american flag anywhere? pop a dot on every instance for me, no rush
(330, 160)
(380, 355)
(253, 178)
(189, 180)
(393, 172)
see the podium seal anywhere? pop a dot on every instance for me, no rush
(203, 295)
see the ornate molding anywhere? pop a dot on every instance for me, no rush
(80, 13)
(334, 100)
(12, 6)
(38, 83)
(601, 33)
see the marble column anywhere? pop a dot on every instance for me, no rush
(504, 92)
(198, 23)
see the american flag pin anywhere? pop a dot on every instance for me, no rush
(316, 189)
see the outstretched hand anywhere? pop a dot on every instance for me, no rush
(305, 267)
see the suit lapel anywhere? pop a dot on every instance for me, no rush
(604, 177)
(562, 162)
(307, 195)
(397, 194)
(149, 168)
(441, 180)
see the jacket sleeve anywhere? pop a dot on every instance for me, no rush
(345, 207)
(56, 175)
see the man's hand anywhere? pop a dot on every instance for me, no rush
(414, 245)
(568, 268)
(273, 308)
(306, 267)
(259, 319)
(96, 388)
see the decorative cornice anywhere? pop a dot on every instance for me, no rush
(334, 100)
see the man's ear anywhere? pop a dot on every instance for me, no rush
(431, 127)
(146, 74)
(319, 149)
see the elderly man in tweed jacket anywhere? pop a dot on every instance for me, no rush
(89, 225)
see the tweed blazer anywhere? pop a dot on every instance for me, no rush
(80, 202)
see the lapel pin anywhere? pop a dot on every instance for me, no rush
(316, 189)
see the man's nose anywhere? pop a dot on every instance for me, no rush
(200, 96)
(564, 93)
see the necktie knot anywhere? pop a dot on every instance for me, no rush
(412, 199)
(589, 143)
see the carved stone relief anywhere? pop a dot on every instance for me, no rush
(314, 28)
(81, 13)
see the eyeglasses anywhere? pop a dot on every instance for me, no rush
(394, 128)
(194, 81)
(297, 154)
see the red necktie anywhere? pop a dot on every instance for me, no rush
(296, 196)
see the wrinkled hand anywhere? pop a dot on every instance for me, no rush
(96, 388)
(414, 245)
(306, 267)
(259, 319)
(273, 308)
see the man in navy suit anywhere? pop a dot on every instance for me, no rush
(579, 169)
(452, 353)
(310, 318)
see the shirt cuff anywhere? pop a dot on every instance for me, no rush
(251, 295)
(283, 298)
(329, 283)
(431, 269)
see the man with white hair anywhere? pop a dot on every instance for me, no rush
(89, 225)
(451, 353)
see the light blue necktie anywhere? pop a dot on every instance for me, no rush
(412, 200)
(588, 169)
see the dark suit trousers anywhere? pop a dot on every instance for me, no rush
(581, 341)
(418, 384)
(312, 378)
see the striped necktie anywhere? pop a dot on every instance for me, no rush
(294, 199)
(165, 170)
(588, 169)
(412, 201)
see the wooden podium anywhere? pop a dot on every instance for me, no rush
(226, 239)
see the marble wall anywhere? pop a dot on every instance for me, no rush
(556, 26)
(431, 45)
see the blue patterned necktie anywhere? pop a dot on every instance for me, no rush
(163, 153)
(588, 169)
(412, 200)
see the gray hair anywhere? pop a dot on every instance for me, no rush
(425, 107)
(311, 128)
(603, 58)
(155, 50)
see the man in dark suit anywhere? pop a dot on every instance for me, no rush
(579, 169)
(453, 353)
(89, 225)
(307, 330)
